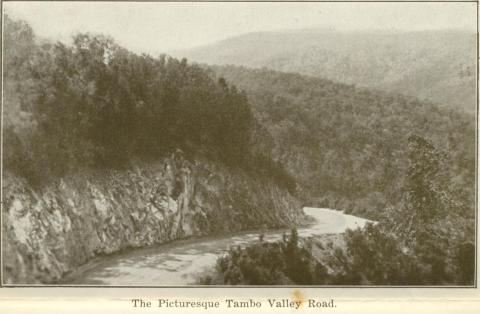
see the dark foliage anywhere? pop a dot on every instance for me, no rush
(94, 105)
(426, 241)
(284, 262)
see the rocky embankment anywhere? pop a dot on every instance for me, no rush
(49, 232)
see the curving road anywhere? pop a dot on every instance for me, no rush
(177, 263)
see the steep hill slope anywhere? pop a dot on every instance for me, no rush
(347, 145)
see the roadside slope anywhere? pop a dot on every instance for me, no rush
(50, 232)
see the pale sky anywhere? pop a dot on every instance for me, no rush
(155, 27)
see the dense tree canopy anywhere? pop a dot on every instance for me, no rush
(348, 146)
(95, 104)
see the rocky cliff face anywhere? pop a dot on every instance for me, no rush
(50, 232)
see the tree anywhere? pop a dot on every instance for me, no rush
(424, 199)
(427, 221)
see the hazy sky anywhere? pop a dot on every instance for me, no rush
(162, 27)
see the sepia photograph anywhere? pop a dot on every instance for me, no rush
(247, 144)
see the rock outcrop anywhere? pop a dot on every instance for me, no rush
(50, 232)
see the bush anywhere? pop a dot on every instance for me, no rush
(284, 262)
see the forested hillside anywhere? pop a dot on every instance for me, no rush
(347, 146)
(95, 105)
(431, 65)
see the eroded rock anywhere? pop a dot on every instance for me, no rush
(55, 230)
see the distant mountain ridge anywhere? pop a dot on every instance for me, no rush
(438, 66)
